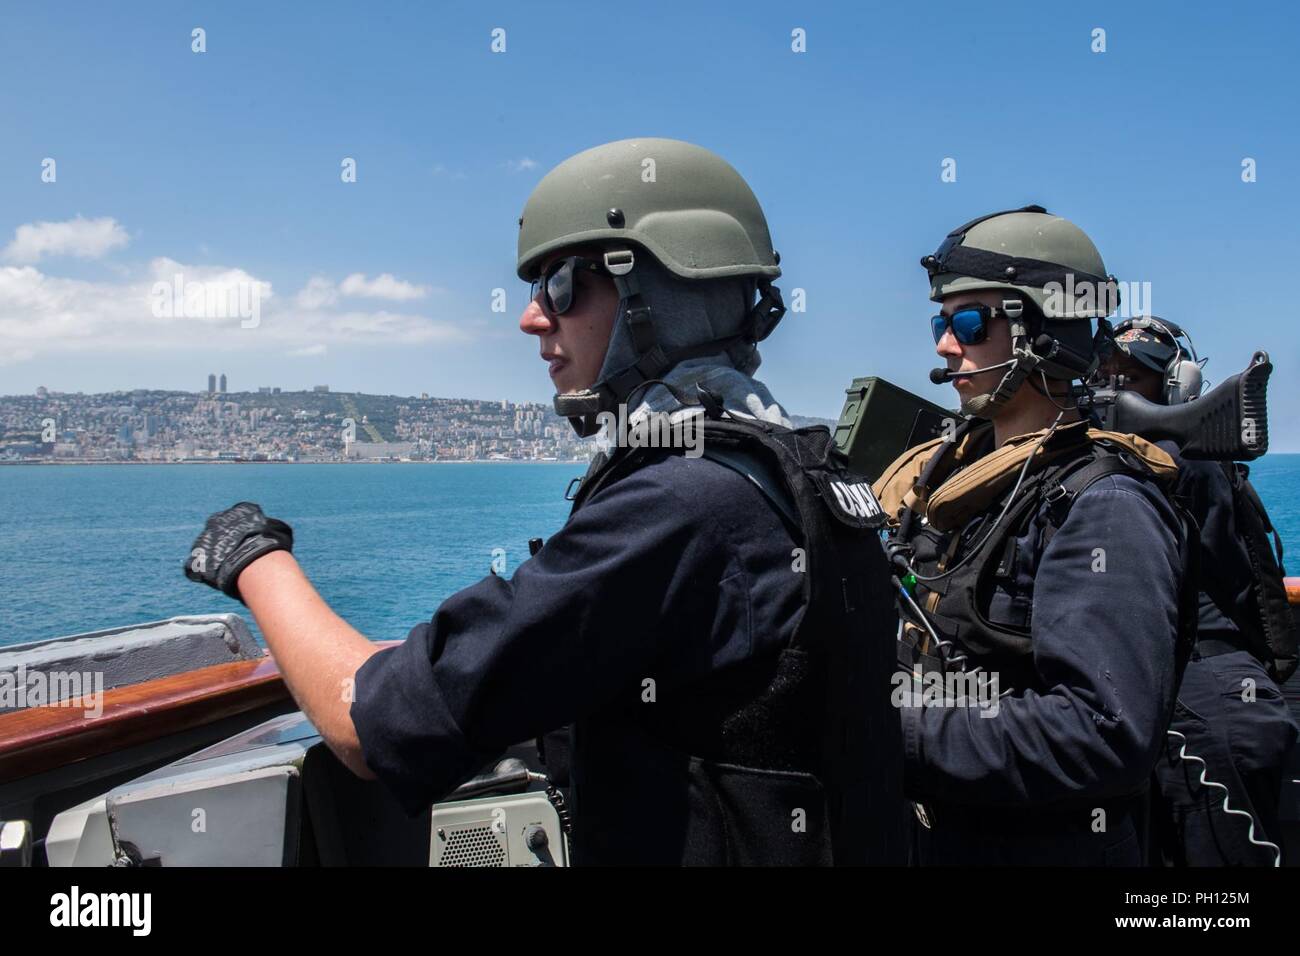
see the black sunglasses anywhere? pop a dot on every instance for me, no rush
(556, 286)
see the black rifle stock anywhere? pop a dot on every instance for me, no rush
(1228, 424)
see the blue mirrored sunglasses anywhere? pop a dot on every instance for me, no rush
(969, 324)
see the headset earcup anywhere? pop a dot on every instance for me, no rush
(1183, 382)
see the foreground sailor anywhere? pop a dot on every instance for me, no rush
(1040, 570)
(719, 630)
(1231, 723)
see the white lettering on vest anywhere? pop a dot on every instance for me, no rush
(856, 499)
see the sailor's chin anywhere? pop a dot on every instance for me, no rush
(564, 384)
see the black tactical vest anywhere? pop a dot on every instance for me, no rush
(793, 758)
(956, 604)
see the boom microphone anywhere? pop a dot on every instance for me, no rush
(940, 375)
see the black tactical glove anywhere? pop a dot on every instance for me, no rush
(231, 541)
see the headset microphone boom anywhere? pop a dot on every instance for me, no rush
(940, 375)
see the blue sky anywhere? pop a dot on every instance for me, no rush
(226, 165)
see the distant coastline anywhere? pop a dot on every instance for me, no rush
(64, 462)
(59, 463)
(271, 426)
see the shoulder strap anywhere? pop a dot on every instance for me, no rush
(605, 472)
(760, 473)
(1061, 490)
(1278, 648)
(1238, 474)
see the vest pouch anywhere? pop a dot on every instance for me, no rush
(742, 816)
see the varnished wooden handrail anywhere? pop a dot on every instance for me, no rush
(42, 738)
(1292, 590)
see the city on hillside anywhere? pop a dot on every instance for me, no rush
(269, 424)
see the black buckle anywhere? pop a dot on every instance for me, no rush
(1055, 491)
(710, 401)
(766, 313)
(1134, 464)
(642, 328)
(570, 493)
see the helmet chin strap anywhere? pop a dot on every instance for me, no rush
(989, 405)
(581, 408)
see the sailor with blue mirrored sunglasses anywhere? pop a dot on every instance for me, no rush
(969, 324)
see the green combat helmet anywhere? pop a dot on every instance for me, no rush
(674, 201)
(1041, 258)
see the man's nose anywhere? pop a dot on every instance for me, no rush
(534, 320)
(948, 345)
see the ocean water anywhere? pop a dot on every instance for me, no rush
(97, 546)
(84, 547)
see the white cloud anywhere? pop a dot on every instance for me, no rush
(42, 314)
(307, 351)
(386, 286)
(173, 306)
(80, 237)
(519, 165)
(318, 292)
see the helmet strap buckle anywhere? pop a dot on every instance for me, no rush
(619, 262)
(577, 404)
